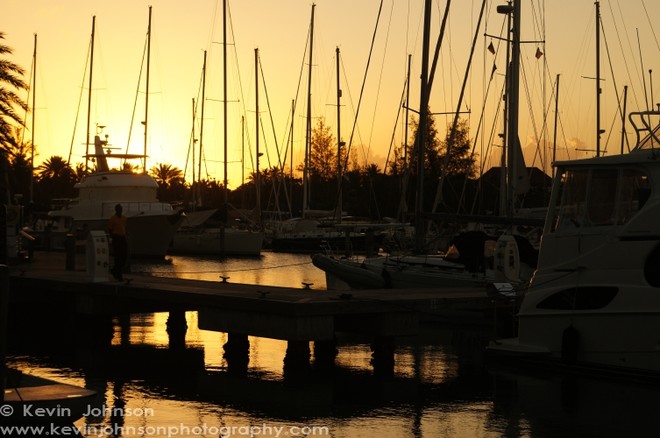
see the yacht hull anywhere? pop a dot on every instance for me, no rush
(593, 303)
(147, 234)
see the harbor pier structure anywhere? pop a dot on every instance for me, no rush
(299, 316)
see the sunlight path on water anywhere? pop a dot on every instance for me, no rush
(272, 269)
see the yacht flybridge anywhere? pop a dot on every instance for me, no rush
(594, 299)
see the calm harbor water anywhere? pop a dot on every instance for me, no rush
(442, 384)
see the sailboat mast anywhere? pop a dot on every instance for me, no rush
(308, 131)
(225, 203)
(623, 117)
(339, 144)
(554, 141)
(407, 114)
(89, 93)
(421, 131)
(194, 140)
(242, 160)
(146, 99)
(598, 129)
(201, 130)
(257, 179)
(34, 110)
(293, 115)
(513, 93)
(224, 102)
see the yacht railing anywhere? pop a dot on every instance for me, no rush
(648, 134)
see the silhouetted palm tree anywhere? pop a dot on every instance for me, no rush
(79, 171)
(129, 167)
(55, 179)
(17, 155)
(55, 167)
(166, 175)
(10, 82)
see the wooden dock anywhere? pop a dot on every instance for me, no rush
(296, 315)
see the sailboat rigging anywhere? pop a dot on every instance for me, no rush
(470, 266)
(151, 223)
(195, 236)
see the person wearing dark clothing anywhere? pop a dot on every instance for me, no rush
(117, 228)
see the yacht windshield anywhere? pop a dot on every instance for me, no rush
(596, 197)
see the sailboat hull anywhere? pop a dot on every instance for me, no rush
(399, 272)
(209, 241)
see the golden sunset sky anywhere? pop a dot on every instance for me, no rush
(182, 31)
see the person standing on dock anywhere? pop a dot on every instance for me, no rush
(117, 228)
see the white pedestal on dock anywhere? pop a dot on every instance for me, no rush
(98, 256)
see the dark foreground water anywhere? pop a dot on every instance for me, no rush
(442, 384)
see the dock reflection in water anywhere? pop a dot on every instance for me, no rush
(441, 384)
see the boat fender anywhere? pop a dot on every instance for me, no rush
(570, 344)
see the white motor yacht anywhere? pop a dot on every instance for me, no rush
(594, 300)
(151, 223)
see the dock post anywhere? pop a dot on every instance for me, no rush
(325, 352)
(237, 353)
(70, 245)
(176, 328)
(296, 361)
(382, 356)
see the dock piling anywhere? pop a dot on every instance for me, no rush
(237, 353)
(296, 361)
(177, 326)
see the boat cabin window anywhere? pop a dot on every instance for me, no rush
(635, 191)
(580, 298)
(572, 199)
(599, 197)
(601, 201)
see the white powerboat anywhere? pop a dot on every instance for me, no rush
(196, 238)
(594, 300)
(474, 260)
(151, 224)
